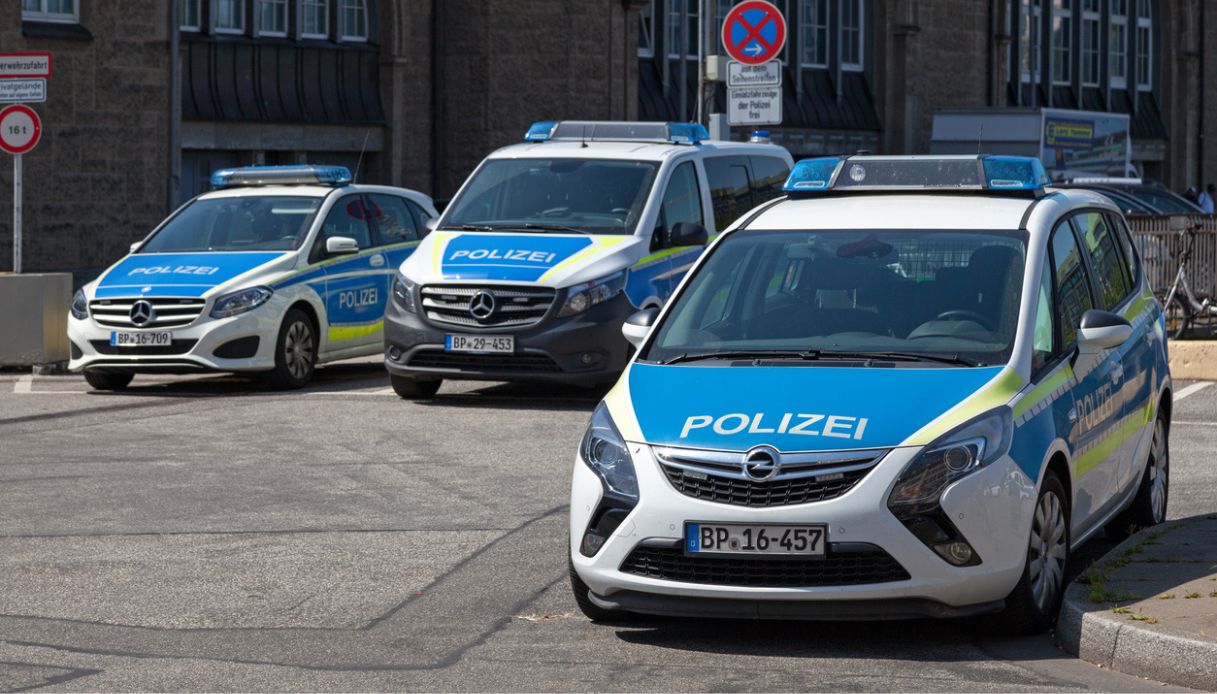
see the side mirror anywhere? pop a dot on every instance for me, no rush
(685, 234)
(341, 245)
(430, 224)
(1102, 330)
(638, 325)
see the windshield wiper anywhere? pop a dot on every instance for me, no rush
(554, 227)
(819, 354)
(752, 354)
(907, 356)
(475, 227)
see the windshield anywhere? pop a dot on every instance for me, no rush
(934, 296)
(1164, 201)
(601, 196)
(249, 223)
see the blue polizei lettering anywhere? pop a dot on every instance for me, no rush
(177, 274)
(520, 257)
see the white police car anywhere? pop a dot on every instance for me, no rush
(911, 388)
(280, 268)
(551, 244)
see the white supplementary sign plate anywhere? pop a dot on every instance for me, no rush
(23, 91)
(754, 105)
(25, 65)
(764, 75)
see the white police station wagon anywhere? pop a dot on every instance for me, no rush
(551, 244)
(908, 389)
(278, 269)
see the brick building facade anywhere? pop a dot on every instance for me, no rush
(416, 92)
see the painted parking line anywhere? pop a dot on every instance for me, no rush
(1192, 389)
(1194, 424)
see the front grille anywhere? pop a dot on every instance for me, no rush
(802, 477)
(174, 347)
(865, 564)
(169, 312)
(439, 359)
(515, 307)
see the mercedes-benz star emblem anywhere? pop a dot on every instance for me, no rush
(482, 305)
(762, 463)
(142, 313)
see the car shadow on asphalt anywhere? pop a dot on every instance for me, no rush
(332, 378)
(520, 396)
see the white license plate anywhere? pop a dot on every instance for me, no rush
(161, 338)
(747, 538)
(480, 343)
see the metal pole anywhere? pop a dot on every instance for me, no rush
(683, 77)
(17, 214)
(173, 189)
(705, 13)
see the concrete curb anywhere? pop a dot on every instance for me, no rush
(1193, 359)
(1092, 632)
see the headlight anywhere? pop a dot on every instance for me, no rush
(604, 451)
(403, 292)
(240, 302)
(954, 455)
(581, 297)
(80, 306)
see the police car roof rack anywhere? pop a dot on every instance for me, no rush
(616, 131)
(989, 174)
(291, 175)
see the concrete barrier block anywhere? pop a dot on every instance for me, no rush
(34, 318)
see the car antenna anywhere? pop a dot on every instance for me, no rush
(980, 136)
(362, 149)
(585, 136)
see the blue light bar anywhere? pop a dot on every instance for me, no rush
(616, 131)
(540, 131)
(687, 133)
(281, 176)
(1014, 173)
(812, 174)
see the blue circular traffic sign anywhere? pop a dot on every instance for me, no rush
(754, 32)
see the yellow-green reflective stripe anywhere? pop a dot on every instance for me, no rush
(331, 261)
(581, 255)
(660, 255)
(437, 247)
(618, 403)
(996, 392)
(1043, 390)
(350, 332)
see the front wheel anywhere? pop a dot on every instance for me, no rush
(108, 380)
(413, 389)
(295, 352)
(1032, 606)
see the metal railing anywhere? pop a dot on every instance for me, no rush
(1161, 247)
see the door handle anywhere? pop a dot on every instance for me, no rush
(1073, 415)
(1117, 372)
(377, 260)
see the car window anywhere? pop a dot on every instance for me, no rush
(420, 216)
(1043, 340)
(1072, 288)
(1126, 244)
(348, 217)
(768, 176)
(730, 191)
(243, 223)
(682, 199)
(1107, 260)
(394, 223)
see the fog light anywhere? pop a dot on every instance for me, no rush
(591, 544)
(394, 352)
(958, 553)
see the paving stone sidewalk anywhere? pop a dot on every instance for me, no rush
(1149, 608)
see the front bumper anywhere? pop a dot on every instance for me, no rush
(194, 347)
(992, 508)
(584, 349)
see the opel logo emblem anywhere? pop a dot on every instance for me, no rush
(482, 306)
(762, 463)
(142, 313)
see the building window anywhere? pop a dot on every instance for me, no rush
(228, 16)
(692, 28)
(1118, 43)
(315, 19)
(354, 20)
(813, 33)
(1090, 43)
(270, 17)
(1145, 46)
(1030, 29)
(721, 8)
(646, 31)
(1062, 41)
(851, 35)
(192, 17)
(65, 11)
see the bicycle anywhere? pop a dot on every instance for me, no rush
(1181, 305)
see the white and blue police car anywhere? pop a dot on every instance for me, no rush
(551, 244)
(276, 270)
(909, 388)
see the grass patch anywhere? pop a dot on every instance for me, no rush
(1097, 578)
(1191, 596)
(1167, 596)
(1121, 610)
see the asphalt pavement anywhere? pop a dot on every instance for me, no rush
(203, 533)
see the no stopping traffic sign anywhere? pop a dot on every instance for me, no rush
(754, 32)
(20, 129)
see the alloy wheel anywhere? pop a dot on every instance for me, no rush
(1048, 551)
(298, 349)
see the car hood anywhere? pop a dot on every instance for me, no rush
(179, 274)
(555, 260)
(806, 408)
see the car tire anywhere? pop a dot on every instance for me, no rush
(413, 388)
(295, 352)
(1033, 604)
(1148, 507)
(108, 380)
(590, 609)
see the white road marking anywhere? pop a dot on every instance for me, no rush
(1195, 424)
(25, 384)
(1192, 390)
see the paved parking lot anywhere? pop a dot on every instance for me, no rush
(204, 534)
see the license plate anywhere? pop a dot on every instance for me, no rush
(480, 343)
(752, 539)
(162, 338)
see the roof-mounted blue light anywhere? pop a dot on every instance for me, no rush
(812, 174)
(1014, 173)
(540, 131)
(687, 133)
(281, 176)
(616, 131)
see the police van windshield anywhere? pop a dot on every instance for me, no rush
(600, 196)
(247, 223)
(936, 297)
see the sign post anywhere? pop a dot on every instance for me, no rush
(20, 130)
(754, 34)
